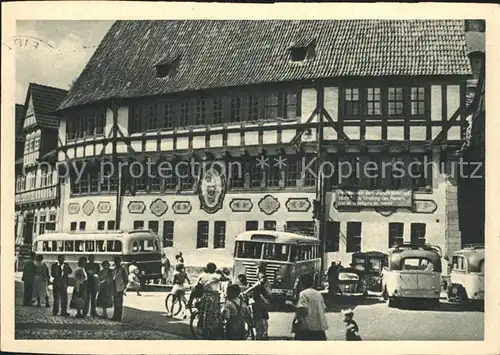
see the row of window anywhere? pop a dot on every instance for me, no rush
(32, 143)
(354, 234)
(202, 111)
(88, 246)
(395, 102)
(89, 123)
(361, 172)
(29, 182)
(44, 223)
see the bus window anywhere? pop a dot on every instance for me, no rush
(277, 252)
(113, 246)
(101, 246)
(79, 245)
(54, 246)
(90, 246)
(135, 246)
(69, 246)
(293, 253)
(46, 246)
(248, 250)
(60, 245)
(481, 266)
(146, 245)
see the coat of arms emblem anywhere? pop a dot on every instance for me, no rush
(211, 191)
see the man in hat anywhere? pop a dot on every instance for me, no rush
(352, 330)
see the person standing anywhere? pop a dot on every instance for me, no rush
(80, 290)
(105, 295)
(210, 300)
(262, 299)
(165, 265)
(310, 321)
(120, 280)
(92, 269)
(236, 314)
(41, 281)
(29, 280)
(333, 275)
(60, 272)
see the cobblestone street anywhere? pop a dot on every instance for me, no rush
(38, 323)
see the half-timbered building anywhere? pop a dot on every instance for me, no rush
(278, 99)
(37, 186)
(472, 186)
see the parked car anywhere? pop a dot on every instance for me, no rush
(370, 264)
(467, 275)
(351, 282)
(413, 272)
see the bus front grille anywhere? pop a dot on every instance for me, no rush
(251, 272)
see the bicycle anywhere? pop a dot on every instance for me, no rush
(196, 327)
(175, 304)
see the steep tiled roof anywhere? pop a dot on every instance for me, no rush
(45, 100)
(233, 53)
(19, 118)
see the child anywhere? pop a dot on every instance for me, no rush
(236, 314)
(133, 279)
(352, 330)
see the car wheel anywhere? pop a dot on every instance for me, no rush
(392, 302)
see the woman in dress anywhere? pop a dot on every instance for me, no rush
(41, 281)
(105, 294)
(80, 290)
(210, 300)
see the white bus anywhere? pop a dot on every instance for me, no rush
(142, 246)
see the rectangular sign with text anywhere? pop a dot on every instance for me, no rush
(373, 198)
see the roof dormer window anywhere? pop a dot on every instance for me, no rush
(167, 66)
(302, 49)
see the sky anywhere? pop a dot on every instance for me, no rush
(53, 53)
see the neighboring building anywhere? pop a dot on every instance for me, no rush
(18, 152)
(472, 189)
(37, 185)
(233, 91)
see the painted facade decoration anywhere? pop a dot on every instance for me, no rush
(104, 207)
(158, 207)
(424, 206)
(241, 205)
(73, 208)
(136, 207)
(182, 207)
(211, 191)
(294, 204)
(269, 204)
(88, 207)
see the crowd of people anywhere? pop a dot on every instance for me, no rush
(96, 286)
(224, 306)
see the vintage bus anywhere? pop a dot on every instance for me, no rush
(413, 272)
(142, 246)
(287, 258)
(467, 275)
